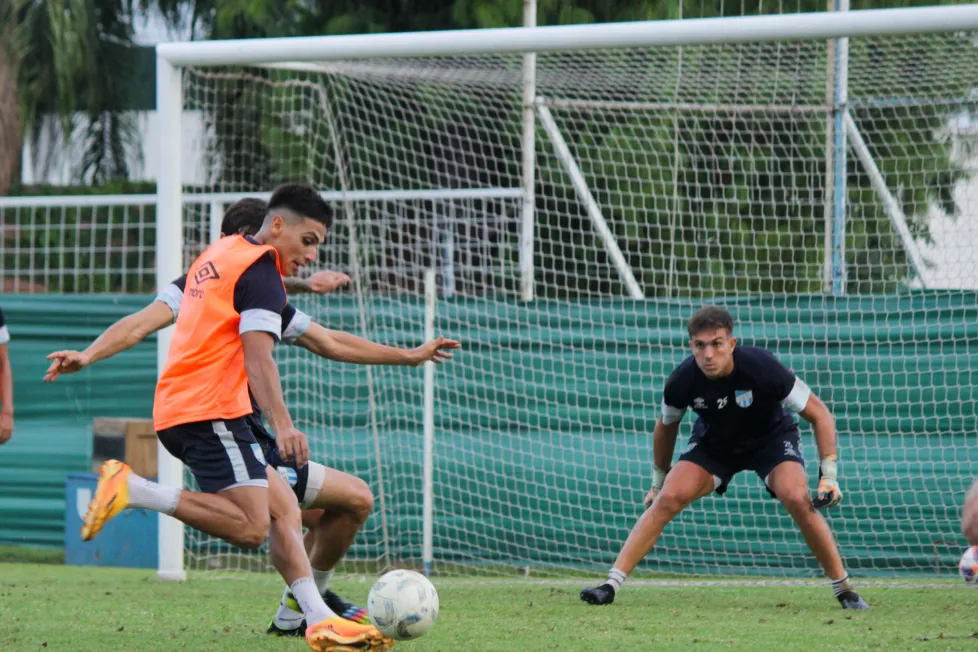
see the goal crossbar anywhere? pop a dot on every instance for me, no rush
(871, 22)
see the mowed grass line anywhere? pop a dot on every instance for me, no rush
(72, 608)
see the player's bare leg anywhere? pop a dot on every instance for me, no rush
(969, 515)
(238, 516)
(789, 483)
(327, 629)
(343, 505)
(339, 510)
(685, 483)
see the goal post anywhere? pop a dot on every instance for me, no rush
(567, 196)
(169, 265)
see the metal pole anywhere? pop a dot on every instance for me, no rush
(529, 159)
(217, 216)
(840, 161)
(890, 204)
(674, 213)
(169, 265)
(593, 210)
(829, 160)
(654, 33)
(430, 299)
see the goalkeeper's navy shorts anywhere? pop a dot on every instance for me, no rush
(784, 446)
(305, 481)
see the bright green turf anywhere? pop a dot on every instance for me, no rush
(68, 608)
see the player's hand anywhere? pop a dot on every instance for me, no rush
(658, 479)
(828, 493)
(6, 427)
(326, 281)
(64, 362)
(292, 445)
(434, 350)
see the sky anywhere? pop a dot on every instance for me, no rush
(151, 29)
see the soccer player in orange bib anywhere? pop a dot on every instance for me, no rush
(222, 343)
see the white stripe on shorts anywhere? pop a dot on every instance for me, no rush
(248, 483)
(234, 453)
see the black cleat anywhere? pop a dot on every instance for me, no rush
(345, 608)
(275, 630)
(851, 600)
(603, 594)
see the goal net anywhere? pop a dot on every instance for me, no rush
(842, 237)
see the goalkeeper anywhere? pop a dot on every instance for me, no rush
(743, 398)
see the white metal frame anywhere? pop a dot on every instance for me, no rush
(517, 40)
(171, 56)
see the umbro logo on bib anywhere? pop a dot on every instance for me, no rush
(206, 272)
(744, 399)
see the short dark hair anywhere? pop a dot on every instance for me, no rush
(244, 217)
(301, 199)
(710, 318)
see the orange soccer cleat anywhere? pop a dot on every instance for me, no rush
(335, 634)
(111, 497)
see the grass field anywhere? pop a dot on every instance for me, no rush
(70, 608)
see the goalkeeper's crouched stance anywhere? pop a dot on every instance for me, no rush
(744, 399)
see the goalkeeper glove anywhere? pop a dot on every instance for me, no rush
(658, 479)
(828, 493)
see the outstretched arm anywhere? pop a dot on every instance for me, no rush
(120, 336)
(344, 347)
(320, 283)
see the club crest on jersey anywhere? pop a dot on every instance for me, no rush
(206, 272)
(744, 399)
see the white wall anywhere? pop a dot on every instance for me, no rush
(55, 165)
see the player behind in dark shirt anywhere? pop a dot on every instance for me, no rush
(743, 398)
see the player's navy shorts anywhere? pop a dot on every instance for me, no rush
(305, 481)
(784, 446)
(221, 454)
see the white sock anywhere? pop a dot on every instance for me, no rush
(286, 617)
(307, 595)
(146, 494)
(616, 578)
(322, 579)
(838, 586)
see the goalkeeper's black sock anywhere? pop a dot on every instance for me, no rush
(615, 579)
(840, 586)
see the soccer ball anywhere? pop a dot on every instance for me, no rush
(969, 565)
(403, 604)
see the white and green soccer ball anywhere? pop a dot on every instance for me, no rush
(403, 604)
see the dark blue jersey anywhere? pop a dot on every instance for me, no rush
(741, 410)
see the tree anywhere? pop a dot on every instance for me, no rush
(59, 58)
